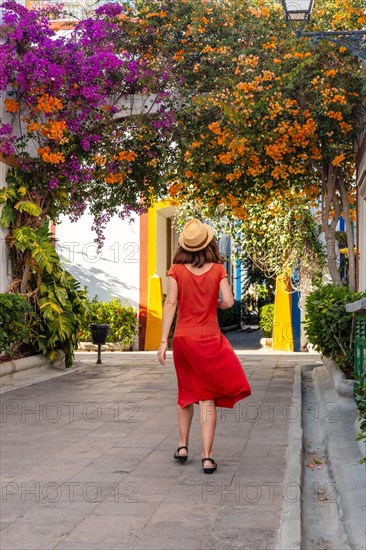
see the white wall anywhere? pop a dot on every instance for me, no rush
(114, 272)
(5, 278)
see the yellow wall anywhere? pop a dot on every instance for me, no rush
(282, 325)
(156, 270)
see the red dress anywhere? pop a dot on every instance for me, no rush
(206, 364)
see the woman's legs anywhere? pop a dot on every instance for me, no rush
(208, 426)
(185, 415)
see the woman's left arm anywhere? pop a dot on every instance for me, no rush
(170, 305)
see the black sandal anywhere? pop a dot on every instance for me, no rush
(181, 458)
(213, 467)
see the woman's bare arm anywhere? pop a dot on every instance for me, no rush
(170, 305)
(227, 299)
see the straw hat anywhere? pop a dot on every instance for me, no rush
(195, 235)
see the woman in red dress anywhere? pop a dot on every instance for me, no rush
(208, 370)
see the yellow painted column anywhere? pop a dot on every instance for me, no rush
(283, 339)
(155, 291)
(154, 313)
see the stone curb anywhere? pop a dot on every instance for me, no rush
(343, 454)
(109, 346)
(290, 529)
(41, 374)
(342, 385)
(344, 388)
(19, 365)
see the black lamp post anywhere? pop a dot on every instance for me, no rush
(99, 332)
(298, 13)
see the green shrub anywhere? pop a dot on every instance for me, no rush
(266, 316)
(361, 406)
(14, 326)
(121, 318)
(329, 327)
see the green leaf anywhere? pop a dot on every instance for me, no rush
(7, 193)
(51, 305)
(7, 216)
(29, 207)
(24, 238)
(43, 258)
(61, 294)
(62, 326)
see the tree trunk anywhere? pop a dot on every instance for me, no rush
(349, 232)
(329, 227)
(25, 277)
(331, 255)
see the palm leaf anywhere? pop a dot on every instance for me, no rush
(52, 306)
(7, 216)
(7, 193)
(62, 327)
(45, 256)
(29, 207)
(24, 238)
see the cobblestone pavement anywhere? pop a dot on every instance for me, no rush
(87, 460)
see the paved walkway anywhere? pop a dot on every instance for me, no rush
(87, 460)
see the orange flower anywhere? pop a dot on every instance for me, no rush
(99, 160)
(54, 129)
(206, 49)
(49, 104)
(316, 153)
(339, 98)
(331, 73)
(33, 127)
(270, 45)
(338, 160)
(11, 105)
(226, 158)
(115, 178)
(345, 127)
(156, 14)
(129, 156)
(335, 114)
(53, 158)
(179, 55)
(174, 188)
(215, 127)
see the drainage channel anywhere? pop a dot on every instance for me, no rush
(321, 526)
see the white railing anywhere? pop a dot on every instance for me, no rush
(74, 9)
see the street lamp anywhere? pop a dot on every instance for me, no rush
(298, 14)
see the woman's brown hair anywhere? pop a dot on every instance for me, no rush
(207, 255)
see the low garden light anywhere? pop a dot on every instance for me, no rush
(298, 14)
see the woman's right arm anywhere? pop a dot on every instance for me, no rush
(227, 299)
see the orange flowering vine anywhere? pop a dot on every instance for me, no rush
(11, 105)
